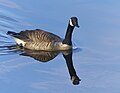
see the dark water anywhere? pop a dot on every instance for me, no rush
(96, 59)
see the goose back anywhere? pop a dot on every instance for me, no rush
(39, 35)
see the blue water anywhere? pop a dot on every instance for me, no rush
(96, 59)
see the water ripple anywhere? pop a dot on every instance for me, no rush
(8, 18)
(2, 36)
(9, 4)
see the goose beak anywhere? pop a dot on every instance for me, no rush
(77, 26)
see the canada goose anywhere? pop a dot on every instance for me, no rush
(42, 40)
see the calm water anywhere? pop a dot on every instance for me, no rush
(96, 59)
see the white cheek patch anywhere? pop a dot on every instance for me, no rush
(71, 23)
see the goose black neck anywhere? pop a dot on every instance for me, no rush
(68, 35)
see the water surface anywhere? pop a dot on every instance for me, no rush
(96, 59)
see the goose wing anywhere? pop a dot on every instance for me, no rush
(38, 36)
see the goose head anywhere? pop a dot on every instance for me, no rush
(73, 22)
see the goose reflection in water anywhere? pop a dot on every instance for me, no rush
(45, 56)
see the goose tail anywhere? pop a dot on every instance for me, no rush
(11, 33)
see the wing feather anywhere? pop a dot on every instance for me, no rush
(40, 36)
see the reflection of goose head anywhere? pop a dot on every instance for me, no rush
(75, 79)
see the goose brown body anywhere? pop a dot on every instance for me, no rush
(39, 40)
